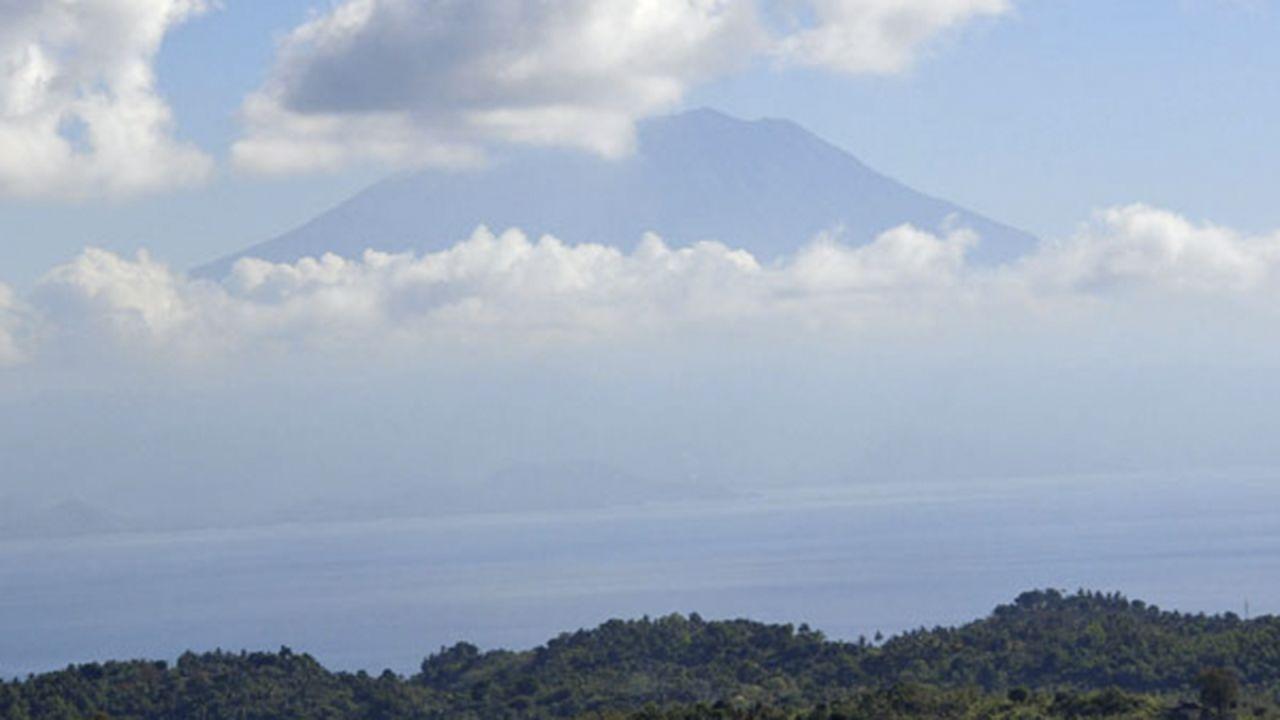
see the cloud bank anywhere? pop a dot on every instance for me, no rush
(507, 291)
(79, 111)
(412, 82)
(1144, 341)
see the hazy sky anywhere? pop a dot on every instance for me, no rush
(1033, 112)
(1137, 138)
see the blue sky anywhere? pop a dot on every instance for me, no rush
(1036, 117)
(1061, 108)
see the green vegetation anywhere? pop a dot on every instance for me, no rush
(1047, 655)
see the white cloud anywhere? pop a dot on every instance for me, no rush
(10, 321)
(875, 36)
(903, 257)
(412, 82)
(102, 294)
(511, 293)
(79, 110)
(407, 82)
(503, 289)
(435, 81)
(1144, 248)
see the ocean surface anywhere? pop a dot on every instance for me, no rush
(847, 560)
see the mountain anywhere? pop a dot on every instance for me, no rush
(767, 186)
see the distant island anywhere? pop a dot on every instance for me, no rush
(1049, 654)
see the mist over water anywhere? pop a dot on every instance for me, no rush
(594, 431)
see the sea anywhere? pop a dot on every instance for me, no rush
(849, 560)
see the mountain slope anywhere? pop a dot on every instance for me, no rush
(766, 186)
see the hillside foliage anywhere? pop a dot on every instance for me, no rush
(1048, 654)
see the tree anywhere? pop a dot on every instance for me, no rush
(1219, 689)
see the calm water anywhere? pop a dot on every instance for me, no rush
(848, 561)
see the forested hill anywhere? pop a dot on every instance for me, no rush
(1047, 650)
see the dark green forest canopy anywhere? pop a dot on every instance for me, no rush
(1048, 654)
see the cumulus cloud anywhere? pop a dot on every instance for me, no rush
(1140, 247)
(408, 82)
(509, 291)
(875, 36)
(417, 81)
(79, 110)
(904, 257)
(101, 295)
(411, 82)
(505, 288)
